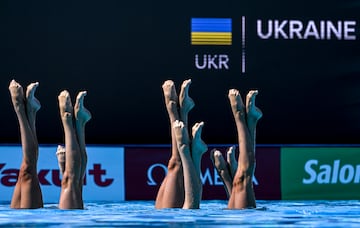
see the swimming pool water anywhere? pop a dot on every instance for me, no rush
(211, 214)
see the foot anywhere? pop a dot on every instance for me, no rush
(33, 104)
(82, 115)
(186, 103)
(65, 106)
(197, 144)
(222, 169)
(17, 95)
(182, 137)
(237, 105)
(231, 160)
(60, 154)
(169, 91)
(253, 112)
(171, 100)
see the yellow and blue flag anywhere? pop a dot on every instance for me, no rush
(211, 31)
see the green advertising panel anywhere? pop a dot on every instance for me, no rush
(320, 173)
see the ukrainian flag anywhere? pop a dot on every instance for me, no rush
(211, 31)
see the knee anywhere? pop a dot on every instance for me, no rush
(174, 164)
(242, 179)
(27, 172)
(239, 179)
(67, 179)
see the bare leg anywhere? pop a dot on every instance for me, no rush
(70, 197)
(192, 180)
(193, 185)
(171, 191)
(253, 115)
(182, 185)
(198, 146)
(190, 151)
(82, 116)
(27, 192)
(242, 195)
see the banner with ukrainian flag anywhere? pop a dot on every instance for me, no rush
(211, 31)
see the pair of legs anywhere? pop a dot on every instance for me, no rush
(238, 175)
(72, 158)
(27, 192)
(182, 187)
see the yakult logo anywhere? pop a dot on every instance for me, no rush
(9, 176)
(331, 173)
(104, 177)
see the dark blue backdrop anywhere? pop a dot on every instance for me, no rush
(122, 51)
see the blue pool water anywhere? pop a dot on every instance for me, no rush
(211, 214)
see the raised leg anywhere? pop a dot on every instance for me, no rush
(82, 116)
(242, 195)
(27, 192)
(198, 146)
(70, 197)
(171, 191)
(182, 185)
(253, 115)
(192, 180)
